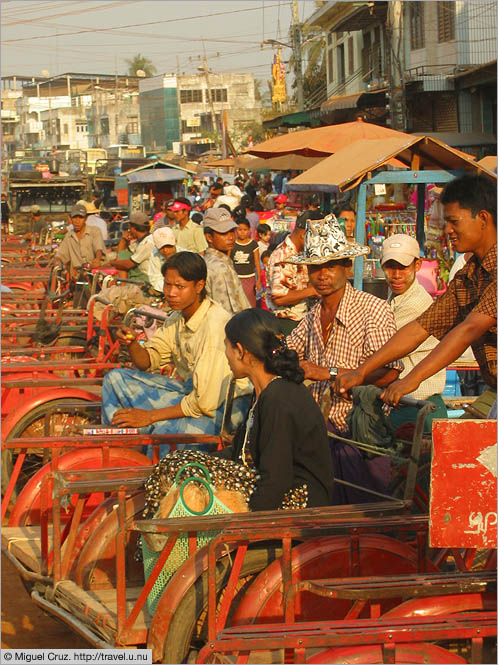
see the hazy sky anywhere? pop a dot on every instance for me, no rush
(39, 36)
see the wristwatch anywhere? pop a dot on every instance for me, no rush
(333, 371)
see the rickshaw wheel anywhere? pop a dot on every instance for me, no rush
(94, 562)
(328, 557)
(188, 626)
(33, 425)
(26, 511)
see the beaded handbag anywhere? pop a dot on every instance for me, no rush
(180, 552)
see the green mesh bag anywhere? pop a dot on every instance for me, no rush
(180, 552)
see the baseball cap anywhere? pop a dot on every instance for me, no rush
(163, 236)
(35, 210)
(139, 219)
(78, 210)
(401, 248)
(219, 220)
(281, 198)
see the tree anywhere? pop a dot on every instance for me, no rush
(140, 62)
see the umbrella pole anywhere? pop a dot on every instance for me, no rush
(421, 214)
(360, 234)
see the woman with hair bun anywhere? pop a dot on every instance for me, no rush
(284, 437)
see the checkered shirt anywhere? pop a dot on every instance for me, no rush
(363, 323)
(285, 277)
(473, 289)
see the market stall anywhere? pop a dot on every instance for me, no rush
(420, 161)
(148, 185)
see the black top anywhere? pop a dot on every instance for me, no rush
(289, 446)
(243, 258)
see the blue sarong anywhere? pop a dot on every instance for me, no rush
(134, 389)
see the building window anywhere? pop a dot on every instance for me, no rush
(190, 129)
(219, 95)
(104, 126)
(351, 55)
(82, 127)
(132, 126)
(446, 21)
(190, 96)
(330, 66)
(417, 35)
(66, 129)
(341, 65)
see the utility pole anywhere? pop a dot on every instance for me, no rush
(209, 93)
(397, 61)
(296, 50)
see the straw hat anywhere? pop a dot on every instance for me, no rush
(325, 241)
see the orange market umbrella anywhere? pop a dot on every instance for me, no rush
(323, 141)
(288, 162)
(488, 162)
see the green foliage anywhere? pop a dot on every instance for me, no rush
(140, 62)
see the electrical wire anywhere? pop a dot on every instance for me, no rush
(134, 25)
(93, 8)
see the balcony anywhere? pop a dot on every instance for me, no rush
(434, 78)
(32, 127)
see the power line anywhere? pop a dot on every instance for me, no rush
(94, 8)
(134, 25)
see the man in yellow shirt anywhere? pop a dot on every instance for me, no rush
(193, 340)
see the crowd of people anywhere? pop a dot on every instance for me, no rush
(278, 312)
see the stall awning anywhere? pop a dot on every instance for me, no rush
(155, 175)
(357, 100)
(309, 118)
(348, 167)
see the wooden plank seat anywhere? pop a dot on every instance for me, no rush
(24, 543)
(97, 608)
(242, 640)
(399, 586)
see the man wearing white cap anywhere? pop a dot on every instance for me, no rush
(165, 246)
(463, 316)
(408, 299)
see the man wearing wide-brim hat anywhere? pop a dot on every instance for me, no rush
(94, 218)
(343, 329)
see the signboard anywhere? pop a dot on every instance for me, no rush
(279, 91)
(463, 484)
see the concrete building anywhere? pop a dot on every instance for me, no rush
(426, 67)
(12, 92)
(177, 113)
(79, 111)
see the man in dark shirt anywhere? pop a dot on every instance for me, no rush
(466, 314)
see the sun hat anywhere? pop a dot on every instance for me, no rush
(401, 248)
(90, 208)
(325, 241)
(163, 236)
